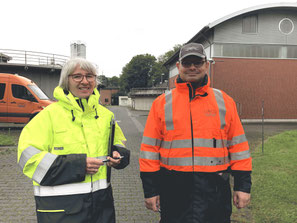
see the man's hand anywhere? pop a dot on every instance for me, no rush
(92, 165)
(153, 203)
(241, 199)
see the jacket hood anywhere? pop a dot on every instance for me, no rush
(67, 99)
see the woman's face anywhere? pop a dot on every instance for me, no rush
(81, 83)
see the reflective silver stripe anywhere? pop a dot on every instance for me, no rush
(201, 161)
(236, 140)
(168, 111)
(240, 155)
(221, 105)
(198, 142)
(27, 154)
(151, 141)
(149, 155)
(209, 143)
(175, 144)
(43, 167)
(69, 189)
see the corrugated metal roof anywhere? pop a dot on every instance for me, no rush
(251, 9)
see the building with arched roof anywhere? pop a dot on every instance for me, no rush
(254, 59)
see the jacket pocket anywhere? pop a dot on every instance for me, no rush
(68, 205)
(74, 208)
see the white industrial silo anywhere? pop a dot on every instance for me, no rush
(78, 49)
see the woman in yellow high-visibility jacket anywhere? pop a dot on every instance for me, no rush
(62, 150)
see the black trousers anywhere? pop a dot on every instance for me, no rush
(194, 197)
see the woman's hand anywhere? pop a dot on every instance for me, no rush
(92, 165)
(114, 160)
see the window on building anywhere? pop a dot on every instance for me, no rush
(106, 100)
(2, 90)
(255, 51)
(292, 52)
(250, 24)
(249, 50)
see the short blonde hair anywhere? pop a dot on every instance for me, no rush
(70, 66)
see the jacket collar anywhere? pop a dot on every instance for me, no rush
(69, 101)
(184, 86)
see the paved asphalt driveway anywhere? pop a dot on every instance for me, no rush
(16, 193)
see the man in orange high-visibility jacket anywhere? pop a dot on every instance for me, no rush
(192, 140)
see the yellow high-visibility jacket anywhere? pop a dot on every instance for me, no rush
(54, 145)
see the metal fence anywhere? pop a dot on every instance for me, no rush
(8, 56)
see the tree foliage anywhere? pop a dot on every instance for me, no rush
(137, 72)
(114, 81)
(142, 71)
(164, 57)
(163, 72)
(103, 81)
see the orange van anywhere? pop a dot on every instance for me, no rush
(20, 99)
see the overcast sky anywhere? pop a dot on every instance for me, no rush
(113, 30)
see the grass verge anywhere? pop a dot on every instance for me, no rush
(6, 140)
(274, 191)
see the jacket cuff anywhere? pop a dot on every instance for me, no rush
(242, 181)
(66, 169)
(150, 183)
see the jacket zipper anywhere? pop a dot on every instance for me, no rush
(82, 129)
(191, 97)
(192, 135)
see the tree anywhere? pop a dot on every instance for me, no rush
(145, 71)
(103, 81)
(161, 72)
(114, 81)
(157, 71)
(137, 72)
(164, 57)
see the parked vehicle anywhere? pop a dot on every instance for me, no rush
(20, 99)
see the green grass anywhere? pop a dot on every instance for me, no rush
(6, 140)
(274, 177)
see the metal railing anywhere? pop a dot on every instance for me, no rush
(8, 56)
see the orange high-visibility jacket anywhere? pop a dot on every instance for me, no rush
(194, 132)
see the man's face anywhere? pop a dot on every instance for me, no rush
(192, 68)
(81, 88)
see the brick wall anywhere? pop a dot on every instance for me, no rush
(105, 95)
(251, 81)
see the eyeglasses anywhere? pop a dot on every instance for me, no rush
(197, 64)
(80, 77)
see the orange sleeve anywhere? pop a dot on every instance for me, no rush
(239, 152)
(149, 160)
